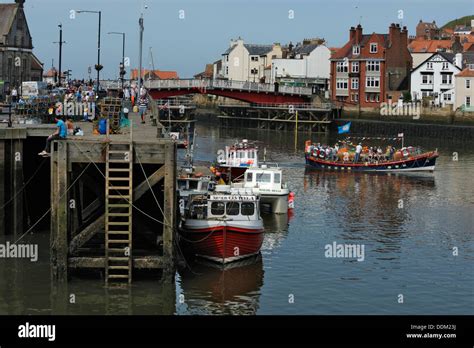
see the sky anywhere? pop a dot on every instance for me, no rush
(185, 35)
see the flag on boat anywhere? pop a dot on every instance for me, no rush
(345, 128)
(400, 135)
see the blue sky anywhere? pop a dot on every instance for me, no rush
(186, 45)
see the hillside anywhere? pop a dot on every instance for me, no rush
(466, 20)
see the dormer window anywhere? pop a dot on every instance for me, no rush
(429, 66)
(445, 65)
(373, 48)
(356, 50)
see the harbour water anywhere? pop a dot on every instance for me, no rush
(417, 233)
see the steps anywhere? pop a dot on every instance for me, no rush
(118, 213)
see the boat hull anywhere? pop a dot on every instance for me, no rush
(222, 241)
(423, 162)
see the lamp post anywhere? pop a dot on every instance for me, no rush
(122, 66)
(98, 67)
(60, 42)
(140, 52)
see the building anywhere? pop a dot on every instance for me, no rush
(464, 29)
(464, 86)
(422, 49)
(247, 62)
(307, 64)
(427, 30)
(371, 68)
(434, 78)
(17, 61)
(208, 73)
(154, 75)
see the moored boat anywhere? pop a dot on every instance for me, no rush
(222, 227)
(232, 163)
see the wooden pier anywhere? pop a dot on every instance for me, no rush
(307, 117)
(112, 198)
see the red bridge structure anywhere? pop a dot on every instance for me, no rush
(250, 92)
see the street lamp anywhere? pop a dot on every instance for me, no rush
(122, 66)
(98, 67)
(60, 42)
(140, 50)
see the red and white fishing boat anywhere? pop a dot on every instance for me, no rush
(232, 163)
(222, 227)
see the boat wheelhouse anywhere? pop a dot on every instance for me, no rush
(222, 227)
(268, 183)
(236, 159)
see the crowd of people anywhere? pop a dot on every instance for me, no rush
(348, 153)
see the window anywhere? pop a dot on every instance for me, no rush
(373, 48)
(372, 81)
(247, 209)
(254, 71)
(445, 65)
(277, 178)
(429, 66)
(232, 208)
(468, 83)
(341, 83)
(355, 83)
(355, 67)
(468, 101)
(446, 79)
(249, 177)
(227, 70)
(373, 65)
(254, 58)
(264, 178)
(217, 208)
(354, 97)
(447, 97)
(427, 79)
(341, 66)
(227, 58)
(356, 50)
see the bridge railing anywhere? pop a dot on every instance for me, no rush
(286, 106)
(226, 84)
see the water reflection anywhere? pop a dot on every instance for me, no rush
(276, 230)
(230, 290)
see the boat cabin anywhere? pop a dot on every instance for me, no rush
(218, 206)
(264, 178)
(240, 155)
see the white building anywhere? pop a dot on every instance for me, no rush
(464, 87)
(247, 62)
(435, 78)
(310, 64)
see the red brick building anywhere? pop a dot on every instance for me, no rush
(371, 68)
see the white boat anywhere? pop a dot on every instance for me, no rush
(232, 163)
(265, 181)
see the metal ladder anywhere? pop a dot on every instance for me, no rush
(118, 212)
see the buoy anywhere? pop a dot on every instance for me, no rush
(291, 200)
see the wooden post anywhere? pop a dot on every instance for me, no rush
(59, 209)
(169, 211)
(2, 187)
(17, 185)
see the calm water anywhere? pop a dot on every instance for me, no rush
(408, 251)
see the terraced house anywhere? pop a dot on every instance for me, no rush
(17, 61)
(371, 68)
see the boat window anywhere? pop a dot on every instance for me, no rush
(264, 177)
(277, 178)
(248, 209)
(193, 185)
(217, 208)
(232, 208)
(249, 177)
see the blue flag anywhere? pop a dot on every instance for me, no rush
(344, 129)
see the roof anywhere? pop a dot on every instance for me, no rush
(346, 50)
(467, 58)
(36, 63)
(258, 50)
(7, 15)
(428, 46)
(428, 25)
(466, 73)
(305, 49)
(207, 73)
(462, 28)
(159, 74)
(448, 56)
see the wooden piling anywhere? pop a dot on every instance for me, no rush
(59, 211)
(169, 210)
(2, 187)
(17, 185)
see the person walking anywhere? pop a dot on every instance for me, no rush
(142, 107)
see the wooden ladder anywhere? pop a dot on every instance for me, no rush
(118, 212)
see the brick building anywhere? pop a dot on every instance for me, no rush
(17, 61)
(371, 68)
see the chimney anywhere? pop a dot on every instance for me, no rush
(352, 33)
(20, 3)
(358, 34)
(472, 24)
(394, 33)
(404, 37)
(458, 60)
